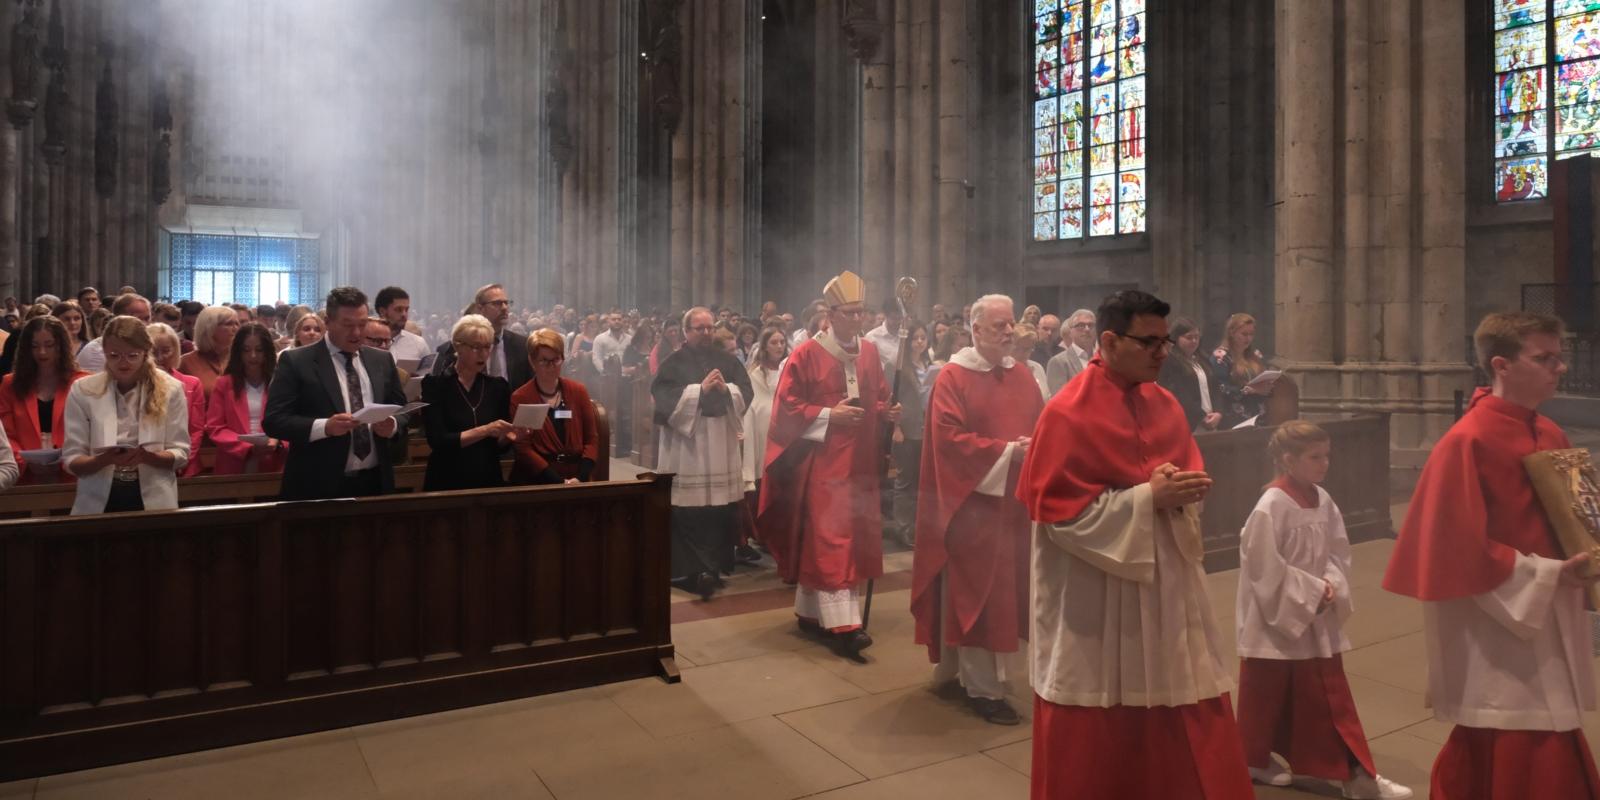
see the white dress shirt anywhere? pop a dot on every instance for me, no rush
(408, 346)
(608, 344)
(888, 344)
(92, 358)
(319, 427)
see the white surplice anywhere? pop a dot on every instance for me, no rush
(1288, 555)
(1120, 614)
(1515, 658)
(758, 419)
(703, 451)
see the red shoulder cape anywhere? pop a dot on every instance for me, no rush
(1474, 508)
(1101, 433)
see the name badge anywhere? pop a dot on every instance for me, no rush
(563, 413)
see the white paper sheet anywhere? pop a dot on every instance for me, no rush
(378, 412)
(531, 415)
(41, 458)
(254, 438)
(413, 389)
(1266, 378)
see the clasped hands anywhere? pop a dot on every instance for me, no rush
(1172, 488)
(848, 415)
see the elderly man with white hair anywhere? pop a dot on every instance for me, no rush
(969, 586)
(1077, 347)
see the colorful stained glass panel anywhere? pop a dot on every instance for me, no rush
(1102, 40)
(1045, 197)
(1578, 82)
(1130, 31)
(1516, 92)
(1102, 11)
(1072, 194)
(1044, 112)
(1072, 164)
(1520, 179)
(1044, 141)
(1046, 80)
(1072, 17)
(1102, 100)
(1130, 124)
(1045, 6)
(1072, 135)
(1072, 107)
(1562, 7)
(1577, 36)
(1576, 154)
(1102, 69)
(1047, 27)
(1102, 160)
(1072, 48)
(1072, 224)
(1130, 154)
(1103, 220)
(1576, 121)
(1044, 169)
(1130, 93)
(1102, 130)
(1102, 190)
(1519, 48)
(1131, 186)
(1044, 227)
(1132, 7)
(1508, 13)
(1130, 217)
(1520, 134)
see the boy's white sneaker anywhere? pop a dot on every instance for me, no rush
(1272, 775)
(1368, 787)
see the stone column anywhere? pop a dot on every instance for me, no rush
(1304, 181)
(1441, 296)
(953, 166)
(10, 187)
(877, 142)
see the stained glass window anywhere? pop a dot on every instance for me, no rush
(242, 269)
(1546, 90)
(1089, 118)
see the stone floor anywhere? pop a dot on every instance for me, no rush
(762, 712)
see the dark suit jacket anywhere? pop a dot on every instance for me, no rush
(1178, 378)
(305, 388)
(518, 370)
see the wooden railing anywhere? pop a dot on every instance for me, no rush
(138, 635)
(52, 499)
(1358, 481)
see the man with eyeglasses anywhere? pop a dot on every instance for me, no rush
(1503, 609)
(1123, 644)
(700, 395)
(1076, 350)
(509, 359)
(819, 508)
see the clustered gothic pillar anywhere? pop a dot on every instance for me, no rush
(708, 251)
(1371, 211)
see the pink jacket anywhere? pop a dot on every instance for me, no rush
(228, 417)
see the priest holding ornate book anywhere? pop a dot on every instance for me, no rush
(1507, 639)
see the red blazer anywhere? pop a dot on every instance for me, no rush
(20, 417)
(195, 394)
(227, 417)
(582, 439)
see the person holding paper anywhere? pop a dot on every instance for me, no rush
(34, 396)
(317, 391)
(700, 396)
(167, 349)
(1507, 639)
(127, 428)
(565, 447)
(1237, 365)
(237, 405)
(468, 413)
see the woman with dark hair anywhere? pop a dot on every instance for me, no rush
(766, 364)
(955, 337)
(1190, 379)
(71, 315)
(745, 337)
(97, 322)
(238, 402)
(33, 397)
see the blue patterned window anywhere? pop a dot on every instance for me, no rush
(242, 269)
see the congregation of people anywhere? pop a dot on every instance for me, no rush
(1043, 469)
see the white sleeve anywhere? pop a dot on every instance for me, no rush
(1522, 604)
(1116, 534)
(994, 483)
(1288, 597)
(817, 431)
(1338, 571)
(319, 430)
(686, 412)
(76, 419)
(8, 465)
(177, 425)
(92, 358)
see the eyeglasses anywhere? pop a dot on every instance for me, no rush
(1153, 344)
(477, 348)
(130, 357)
(1081, 326)
(548, 362)
(381, 344)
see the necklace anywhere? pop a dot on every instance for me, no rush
(548, 395)
(468, 400)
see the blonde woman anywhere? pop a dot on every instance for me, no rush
(165, 350)
(1236, 362)
(213, 338)
(303, 326)
(127, 428)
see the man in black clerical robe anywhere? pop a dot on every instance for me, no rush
(700, 395)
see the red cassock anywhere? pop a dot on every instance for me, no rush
(1473, 510)
(819, 510)
(978, 542)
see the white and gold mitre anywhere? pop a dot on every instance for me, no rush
(847, 288)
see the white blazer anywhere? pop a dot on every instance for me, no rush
(91, 420)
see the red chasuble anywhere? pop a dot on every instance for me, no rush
(819, 510)
(979, 542)
(1474, 508)
(1098, 433)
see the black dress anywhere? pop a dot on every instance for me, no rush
(1180, 379)
(451, 410)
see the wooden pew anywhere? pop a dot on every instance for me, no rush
(1358, 481)
(53, 499)
(145, 634)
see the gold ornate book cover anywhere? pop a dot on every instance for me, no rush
(1568, 487)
